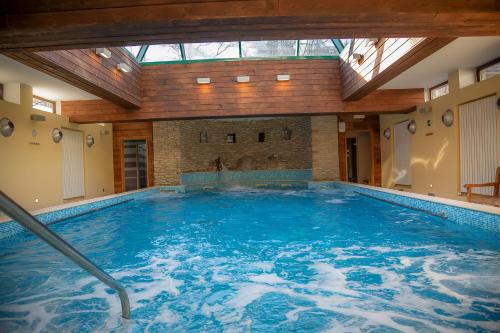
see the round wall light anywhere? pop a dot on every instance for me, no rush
(90, 140)
(6, 127)
(412, 126)
(448, 117)
(57, 135)
(387, 133)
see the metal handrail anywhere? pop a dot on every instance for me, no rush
(23, 217)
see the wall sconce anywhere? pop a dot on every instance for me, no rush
(283, 77)
(447, 118)
(103, 52)
(57, 135)
(6, 127)
(358, 57)
(90, 140)
(387, 133)
(203, 80)
(412, 127)
(124, 67)
(243, 78)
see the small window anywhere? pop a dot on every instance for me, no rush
(262, 137)
(134, 50)
(43, 104)
(439, 90)
(203, 137)
(488, 70)
(164, 52)
(231, 138)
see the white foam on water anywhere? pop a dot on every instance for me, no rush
(267, 278)
(336, 201)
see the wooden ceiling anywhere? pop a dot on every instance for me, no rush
(55, 24)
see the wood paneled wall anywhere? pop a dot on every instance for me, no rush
(86, 70)
(131, 131)
(53, 24)
(382, 60)
(370, 124)
(171, 92)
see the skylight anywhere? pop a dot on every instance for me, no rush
(272, 49)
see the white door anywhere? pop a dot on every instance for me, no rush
(73, 169)
(478, 143)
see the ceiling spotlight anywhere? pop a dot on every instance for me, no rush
(124, 67)
(103, 52)
(282, 77)
(203, 80)
(243, 78)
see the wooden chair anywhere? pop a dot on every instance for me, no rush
(495, 184)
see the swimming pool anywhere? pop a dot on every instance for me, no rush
(242, 260)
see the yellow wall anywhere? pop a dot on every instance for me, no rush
(31, 167)
(435, 159)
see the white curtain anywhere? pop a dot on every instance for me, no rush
(402, 154)
(73, 169)
(478, 143)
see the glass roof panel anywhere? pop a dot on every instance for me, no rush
(134, 50)
(165, 52)
(317, 47)
(269, 48)
(222, 50)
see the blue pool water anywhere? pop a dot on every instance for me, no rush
(257, 261)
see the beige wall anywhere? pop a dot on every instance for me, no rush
(31, 167)
(435, 149)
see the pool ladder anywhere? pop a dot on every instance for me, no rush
(23, 217)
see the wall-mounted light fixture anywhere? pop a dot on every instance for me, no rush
(124, 67)
(57, 135)
(447, 118)
(358, 57)
(412, 127)
(243, 78)
(203, 80)
(6, 127)
(283, 77)
(103, 52)
(90, 141)
(387, 133)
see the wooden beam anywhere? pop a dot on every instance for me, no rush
(171, 92)
(88, 71)
(55, 24)
(381, 61)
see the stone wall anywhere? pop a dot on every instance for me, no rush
(195, 145)
(325, 154)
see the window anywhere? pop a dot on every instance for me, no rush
(222, 50)
(231, 138)
(439, 90)
(166, 52)
(488, 70)
(317, 47)
(262, 137)
(134, 50)
(43, 104)
(269, 48)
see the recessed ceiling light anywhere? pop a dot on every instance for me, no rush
(124, 67)
(103, 52)
(203, 80)
(283, 77)
(243, 78)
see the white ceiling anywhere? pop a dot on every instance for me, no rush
(43, 85)
(464, 52)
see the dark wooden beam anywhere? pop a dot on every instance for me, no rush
(382, 61)
(55, 24)
(88, 71)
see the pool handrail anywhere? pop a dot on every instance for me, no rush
(23, 217)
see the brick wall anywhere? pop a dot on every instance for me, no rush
(325, 155)
(177, 146)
